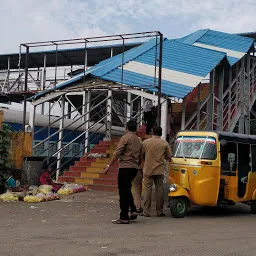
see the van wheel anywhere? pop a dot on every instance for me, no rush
(253, 207)
(179, 207)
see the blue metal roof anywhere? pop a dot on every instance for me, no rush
(220, 41)
(184, 64)
(185, 59)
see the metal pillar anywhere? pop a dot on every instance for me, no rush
(242, 99)
(87, 120)
(220, 103)
(32, 115)
(59, 147)
(8, 75)
(210, 103)
(129, 109)
(183, 114)
(109, 112)
(229, 97)
(198, 106)
(247, 96)
(160, 78)
(56, 67)
(164, 111)
(43, 83)
(25, 89)
(141, 109)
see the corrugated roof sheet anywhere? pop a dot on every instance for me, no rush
(234, 46)
(186, 62)
(184, 67)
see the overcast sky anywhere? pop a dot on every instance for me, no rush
(30, 20)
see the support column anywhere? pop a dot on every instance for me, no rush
(229, 97)
(59, 146)
(242, 98)
(25, 89)
(44, 83)
(220, 104)
(198, 120)
(129, 109)
(210, 103)
(141, 109)
(247, 96)
(87, 120)
(164, 111)
(32, 115)
(109, 117)
(183, 114)
(8, 74)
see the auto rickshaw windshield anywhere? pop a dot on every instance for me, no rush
(195, 147)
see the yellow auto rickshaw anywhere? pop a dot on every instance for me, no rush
(212, 168)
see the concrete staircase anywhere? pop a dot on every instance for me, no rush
(89, 171)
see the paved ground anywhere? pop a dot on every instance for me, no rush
(81, 225)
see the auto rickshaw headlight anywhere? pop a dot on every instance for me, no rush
(173, 188)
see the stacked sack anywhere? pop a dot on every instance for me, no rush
(42, 194)
(9, 196)
(69, 189)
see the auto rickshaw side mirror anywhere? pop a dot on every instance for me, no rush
(231, 160)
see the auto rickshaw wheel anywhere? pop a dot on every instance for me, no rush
(179, 207)
(253, 207)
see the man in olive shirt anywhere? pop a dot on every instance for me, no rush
(156, 152)
(129, 153)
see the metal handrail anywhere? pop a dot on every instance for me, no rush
(81, 134)
(71, 123)
(70, 159)
(65, 115)
(63, 136)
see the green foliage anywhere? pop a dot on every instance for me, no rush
(5, 163)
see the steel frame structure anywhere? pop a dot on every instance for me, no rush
(83, 118)
(88, 40)
(228, 104)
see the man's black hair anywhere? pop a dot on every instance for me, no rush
(131, 126)
(157, 131)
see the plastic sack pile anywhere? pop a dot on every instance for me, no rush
(69, 189)
(9, 196)
(42, 193)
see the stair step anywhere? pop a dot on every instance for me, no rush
(99, 165)
(83, 164)
(99, 151)
(99, 175)
(77, 168)
(88, 159)
(66, 179)
(103, 187)
(98, 146)
(84, 181)
(105, 182)
(72, 174)
(99, 170)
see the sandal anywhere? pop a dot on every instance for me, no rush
(120, 221)
(134, 216)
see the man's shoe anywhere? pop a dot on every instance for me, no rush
(139, 210)
(145, 215)
(161, 215)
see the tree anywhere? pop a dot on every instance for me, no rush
(5, 162)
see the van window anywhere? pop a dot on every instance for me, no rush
(253, 154)
(230, 147)
(195, 147)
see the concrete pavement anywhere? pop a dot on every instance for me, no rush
(81, 225)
